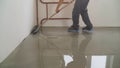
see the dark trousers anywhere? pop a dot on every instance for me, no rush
(80, 8)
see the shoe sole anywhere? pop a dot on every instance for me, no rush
(88, 31)
(73, 31)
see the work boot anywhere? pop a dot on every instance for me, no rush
(87, 29)
(73, 29)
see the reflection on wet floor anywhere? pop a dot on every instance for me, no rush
(57, 48)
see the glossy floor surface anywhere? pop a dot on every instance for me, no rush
(57, 48)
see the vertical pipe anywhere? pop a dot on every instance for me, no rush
(47, 11)
(37, 12)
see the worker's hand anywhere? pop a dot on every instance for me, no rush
(58, 6)
(57, 10)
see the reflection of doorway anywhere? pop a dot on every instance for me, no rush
(103, 61)
(98, 61)
(113, 61)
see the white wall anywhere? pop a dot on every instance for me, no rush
(16, 20)
(103, 13)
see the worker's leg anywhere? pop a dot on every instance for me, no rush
(84, 13)
(75, 13)
(75, 18)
